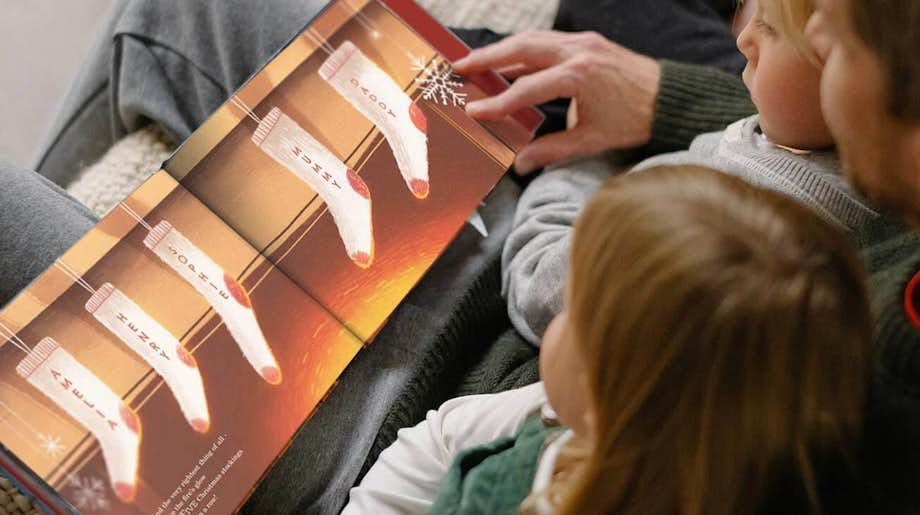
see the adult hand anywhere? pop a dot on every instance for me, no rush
(613, 91)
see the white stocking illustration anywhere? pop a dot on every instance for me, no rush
(159, 348)
(343, 190)
(77, 391)
(225, 295)
(374, 93)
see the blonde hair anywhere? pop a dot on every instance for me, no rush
(791, 17)
(726, 331)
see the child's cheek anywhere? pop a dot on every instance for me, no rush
(788, 100)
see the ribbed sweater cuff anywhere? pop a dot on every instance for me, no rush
(693, 100)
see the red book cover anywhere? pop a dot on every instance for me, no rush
(167, 359)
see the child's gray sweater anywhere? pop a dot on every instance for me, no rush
(536, 255)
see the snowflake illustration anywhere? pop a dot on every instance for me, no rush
(89, 493)
(51, 445)
(439, 83)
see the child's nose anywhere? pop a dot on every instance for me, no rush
(746, 43)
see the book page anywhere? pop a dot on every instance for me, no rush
(349, 161)
(164, 364)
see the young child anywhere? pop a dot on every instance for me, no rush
(786, 147)
(712, 359)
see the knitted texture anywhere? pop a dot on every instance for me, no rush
(476, 319)
(121, 170)
(693, 100)
(812, 178)
(891, 251)
(502, 16)
(494, 478)
(13, 502)
(510, 362)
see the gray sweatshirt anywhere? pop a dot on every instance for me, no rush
(536, 256)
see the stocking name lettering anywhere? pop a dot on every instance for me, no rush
(142, 335)
(68, 385)
(184, 260)
(316, 167)
(372, 97)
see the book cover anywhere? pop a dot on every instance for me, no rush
(166, 360)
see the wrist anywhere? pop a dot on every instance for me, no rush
(648, 77)
(636, 86)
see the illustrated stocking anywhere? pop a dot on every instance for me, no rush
(344, 192)
(73, 388)
(374, 93)
(159, 348)
(225, 295)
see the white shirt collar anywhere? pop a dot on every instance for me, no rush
(545, 469)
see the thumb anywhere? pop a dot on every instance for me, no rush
(550, 149)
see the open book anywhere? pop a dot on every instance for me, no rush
(167, 359)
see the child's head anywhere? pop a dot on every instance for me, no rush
(871, 94)
(783, 74)
(715, 339)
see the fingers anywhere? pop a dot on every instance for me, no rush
(533, 89)
(516, 70)
(535, 49)
(555, 147)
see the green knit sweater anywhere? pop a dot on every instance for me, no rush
(497, 477)
(694, 100)
(891, 462)
(891, 252)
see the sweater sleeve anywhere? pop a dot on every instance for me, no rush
(536, 255)
(692, 100)
(407, 476)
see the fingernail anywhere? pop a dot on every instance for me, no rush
(474, 108)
